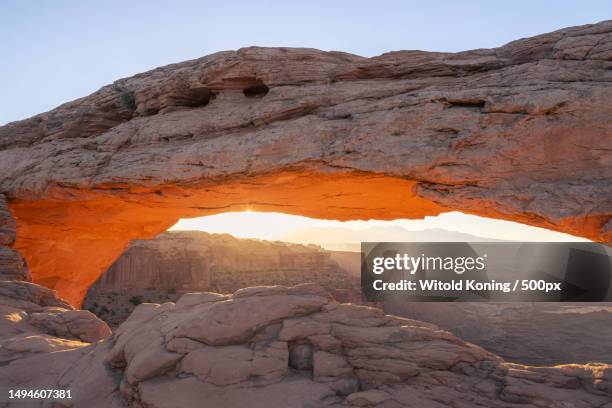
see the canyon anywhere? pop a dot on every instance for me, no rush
(177, 262)
(174, 263)
(520, 132)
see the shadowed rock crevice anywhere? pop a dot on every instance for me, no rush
(257, 90)
(152, 102)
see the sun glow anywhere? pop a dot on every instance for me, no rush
(336, 234)
(250, 224)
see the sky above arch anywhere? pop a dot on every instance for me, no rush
(56, 51)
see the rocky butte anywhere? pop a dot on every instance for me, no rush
(200, 261)
(521, 132)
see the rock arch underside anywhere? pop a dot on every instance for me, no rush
(521, 133)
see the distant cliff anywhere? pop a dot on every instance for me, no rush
(195, 260)
(164, 268)
(176, 262)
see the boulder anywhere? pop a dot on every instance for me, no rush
(77, 324)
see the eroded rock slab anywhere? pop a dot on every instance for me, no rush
(526, 333)
(321, 354)
(35, 320)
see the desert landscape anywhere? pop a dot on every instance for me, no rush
(87, 191)
(175, 263)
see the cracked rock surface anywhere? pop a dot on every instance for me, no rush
(294, 347)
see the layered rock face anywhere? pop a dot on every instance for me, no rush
(197, 260)
(521, 132)
(12, 264)
(294, 347)
(176, 262)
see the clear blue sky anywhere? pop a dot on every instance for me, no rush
(56, 51)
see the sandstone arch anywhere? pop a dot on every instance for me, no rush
(521, 132)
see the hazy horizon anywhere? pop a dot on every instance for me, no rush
(335, 235)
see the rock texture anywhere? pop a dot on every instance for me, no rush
(173, 263)
(165, 268)
(197, 260)
(526, 333)
(34, 320)
(521, 132)
(12, 264)
(294, 347)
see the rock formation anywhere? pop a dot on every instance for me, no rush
(34, 320)
(164, 268)
(527, 333)
(521, 132)
(12, 264)
(197, 260)
(292, 347)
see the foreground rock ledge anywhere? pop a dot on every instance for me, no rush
(34, 320)
(521, 132)
(294, 347)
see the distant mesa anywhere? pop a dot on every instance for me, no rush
(176, 262)
(348, 239)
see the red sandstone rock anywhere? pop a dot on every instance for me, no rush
(521, 132)
(526, 333)
(79, 324)
(30, 297)
(12, 265)
(531, 334)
